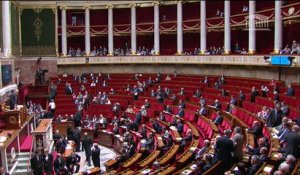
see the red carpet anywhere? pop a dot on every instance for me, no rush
(26, 145)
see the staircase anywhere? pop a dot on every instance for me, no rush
(21, 168)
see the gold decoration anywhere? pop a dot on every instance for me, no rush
(38, 10)
(38, 25)
(12, 119)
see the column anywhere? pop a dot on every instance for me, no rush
(251, 29)
(203, 26)
(278, 27)
(56, 31)
(179, 28)
(227, 34)
(64, 31)
(133, 30)
(6, 28)
(110, 31)
(87, 31)
(156, 29)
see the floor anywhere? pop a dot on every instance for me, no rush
(105, 155)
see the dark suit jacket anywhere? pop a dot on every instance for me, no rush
(203, 111)
(293, 143)
(218, 120)
(181, 113)
(179, 128)
(87, 145)
(156, 127)
(253, 169)
(37, 165)
(290, 92)
(48, 164)
(224, 148)
(59, 165)
(218, 106)
(12, 100)
(138, 118)
(256, 131)
(274, 119)
(96, 157)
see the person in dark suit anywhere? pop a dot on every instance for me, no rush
(69, 89)
(96, 155)
(48, 162)
(254, 93)
(208, 162)
(60, 165)
(87, 144)
(233, 100)
(179, 127)
(293, 142)
(115, 129)
(72, 163)
(143, 132)
(70, 132)
(36, 163)
(150, 142)
(219, 119)
(217, 105)
(181, 104)
(255, 165)
(138, 118)
(256, 130)
(168, 109)
(263, 157)
(241, 169)
(185, 140)
(181, 112)
(56, 136)
(53, 90)
(275, 117)
(169, 143)
(242, 96)
(202, 110)
(12, 100)
(290, 90)
(77, 137)
(77, 118)
(224, 148)
(131, 149)
(156, 126)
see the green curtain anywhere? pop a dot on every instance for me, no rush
(1, 37)
(38, 32)
(15, 29)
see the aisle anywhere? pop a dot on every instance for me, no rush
(105, 155)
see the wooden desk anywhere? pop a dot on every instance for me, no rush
(93, 171)
(43, 125)
(160, 143)
(169, 155)
(168, 170)
(132, 160)
(149, 159)
(109, 164)
(118, 143)
(105, 138)
(89, 131)
(62, 126)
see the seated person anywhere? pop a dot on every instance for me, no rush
(179, 127)
(185, 140)
(168, 109)
(263, 155)
(169, 143)
(264, 113)
(115, 129)
(255, 165)
(156, 126)
(162, 117)
(217, 105)
(129, 109)
(150, 142)
(219, 119)
(208, 162)
(201, 151)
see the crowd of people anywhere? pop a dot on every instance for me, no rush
(294, 49)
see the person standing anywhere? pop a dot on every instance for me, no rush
(77, 137)
(87, 147)
(238, 142)
(53, 90)
(52, 107)
(48, 162)
(12, 100)
(96, 155)
(36, 164)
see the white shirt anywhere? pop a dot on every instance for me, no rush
(52, 105)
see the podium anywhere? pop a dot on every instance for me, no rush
(42, 135)
(14, 119)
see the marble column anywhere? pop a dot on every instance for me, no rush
(278, 27)
(110, 32)
(156, 29)
(87, 31)
(227, 32)
(203, 27)
(251, 29)
(133, 30)
(64, 31)
(6, 29)
(179, 28)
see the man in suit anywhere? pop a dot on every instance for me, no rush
(233, 100)
(60, 165)
(202, 110)
(255, 165)
(169, 143)
(224, 148)
(53, 90)
(238, 142)
(275, 116)
(187, 139)
(290, 90)
(48, 162)
(87, 144)
(138, 118)
(181, 112)
(72, 163)
(168, 109)
(217, 105)
(203, 149)
(284, 130)
(36, 163)
(293, 142)
(69, 89)
(156, 126)
(149, 142)
(179, 127)
(77, 118)
(77, 137)
(219, 119)
(96, 155)
(12, 100)
(263, 157)
(256, 130)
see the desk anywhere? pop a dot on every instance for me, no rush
(118, 143)
(149, 159)
(93, 171)
(168, 170)
(169, 155)
(43, 134)
(109, 164)
(105, 138)
(89, 131)
(62, 126)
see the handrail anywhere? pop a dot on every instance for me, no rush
(31, 149)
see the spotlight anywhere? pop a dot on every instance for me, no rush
(267, 58)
